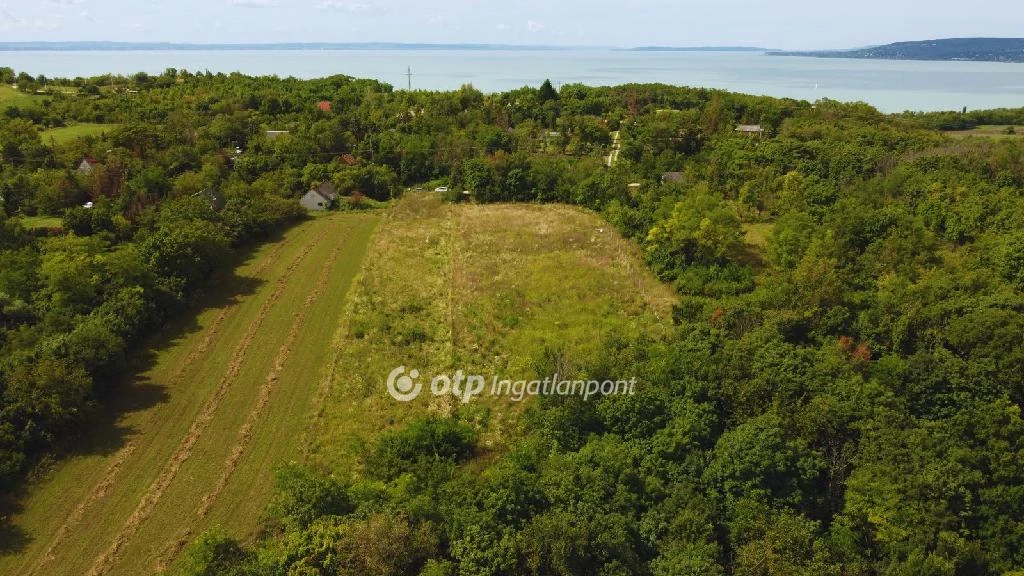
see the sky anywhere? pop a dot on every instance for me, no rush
(785, 24)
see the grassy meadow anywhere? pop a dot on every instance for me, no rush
(13, 97)
(487, 289)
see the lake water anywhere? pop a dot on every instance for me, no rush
(891, 86)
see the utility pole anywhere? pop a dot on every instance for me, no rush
(408, 75)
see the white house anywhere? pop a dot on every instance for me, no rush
(320, 197)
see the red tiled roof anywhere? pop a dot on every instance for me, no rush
(324, 105)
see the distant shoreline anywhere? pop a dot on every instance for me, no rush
(354, 46)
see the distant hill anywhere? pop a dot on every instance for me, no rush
(969, 49)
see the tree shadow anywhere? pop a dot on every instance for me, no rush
(13, 539)
(134, 390)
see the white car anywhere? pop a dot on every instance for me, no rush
(441, 189)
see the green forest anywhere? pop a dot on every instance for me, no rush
(843, 400)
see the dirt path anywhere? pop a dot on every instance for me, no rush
(613, 155)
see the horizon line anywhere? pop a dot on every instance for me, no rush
(97, 45)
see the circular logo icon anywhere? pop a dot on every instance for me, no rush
(402, 387)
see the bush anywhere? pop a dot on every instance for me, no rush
(304, 496)
(423, 443)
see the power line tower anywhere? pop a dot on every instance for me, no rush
(408, 76)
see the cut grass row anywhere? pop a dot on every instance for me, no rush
(86, 513)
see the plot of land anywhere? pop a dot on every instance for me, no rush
(193, 441)
(66, 134)
(510, 290)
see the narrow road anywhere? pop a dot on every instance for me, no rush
(613, 156)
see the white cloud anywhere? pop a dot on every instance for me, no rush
(65, 2)
(345, 5)
(502, 27)
(85, 15)
(41, 25)
(253, 3)
(8, 20)
(534, 26)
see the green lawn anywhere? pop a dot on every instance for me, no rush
(66, 134)
(12, 97)
(218, 402)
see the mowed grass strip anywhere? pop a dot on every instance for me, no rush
(153, 413)
(237, 505)
(157, 421)
(488, 289)
(263, 419)
(183, 452)
(245, 433)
